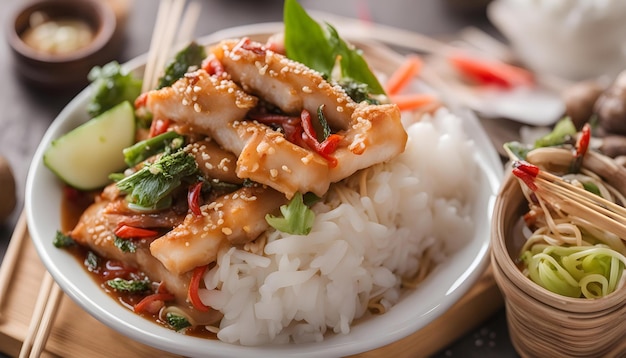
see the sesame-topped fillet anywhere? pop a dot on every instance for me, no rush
(206, 103)
(288, 84)
(235, 218)
(271, 159)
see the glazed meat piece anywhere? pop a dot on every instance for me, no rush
(287, 84)
(372, 133)
(285, 167)
(235, 218)
(95, 230)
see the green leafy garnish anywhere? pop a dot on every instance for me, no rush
(308, 42)
(124, 244)
(359, 92)
(297, 217)
(152, 183)
(111, 86)
(323, 123)
(190, 56)
(177, 322)
(563, 131)
(143, 150)
(131, 286)
(91, 261)
(61, 240)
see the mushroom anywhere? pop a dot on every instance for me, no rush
(613, 145)
(579, 101)
(611, 107)
(7, 190)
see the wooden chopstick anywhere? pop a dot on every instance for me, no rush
(12, 255)
(44, 313)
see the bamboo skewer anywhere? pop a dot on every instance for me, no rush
(47, 319)
(579, 202)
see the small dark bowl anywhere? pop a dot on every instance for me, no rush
(68, 70)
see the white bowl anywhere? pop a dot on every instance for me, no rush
(442, 288)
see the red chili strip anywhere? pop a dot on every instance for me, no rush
(292, 126)
(141, 100)
(327, 147)
(213, 67)
(194, 286)
(526, 178)
(193, 198)
(526, 167)
(159, 126)
(152, 303)
(130, 232)
(582, 144)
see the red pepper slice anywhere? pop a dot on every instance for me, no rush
(213, 67)
(141, 100)
(327, 147)
(152, 303)
(582, 144)
(528, 179)
(159, 126)
(526, 167)
(194, 285)
(193, 198)
(130, 232)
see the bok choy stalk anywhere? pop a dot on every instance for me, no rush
(153, 183)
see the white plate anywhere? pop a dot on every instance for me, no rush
(443, 287)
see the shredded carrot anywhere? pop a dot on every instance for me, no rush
(490, 71)
(411, 101)
(398, 80)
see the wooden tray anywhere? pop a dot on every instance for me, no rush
(77, 334)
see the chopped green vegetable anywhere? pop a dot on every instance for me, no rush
(124, 244)
(563, 131)
(111, 86)
(297, 217)
(61, 240)
(190, 56)
(141, 151)
(359, 92)
(91, 261)
(131, 286)
(323, 123)
(592, 188)
(516, 150)
(318, 48)
(177, 322)
(152, 183)
(577, 271)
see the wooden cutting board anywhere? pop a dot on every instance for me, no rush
(77, 334)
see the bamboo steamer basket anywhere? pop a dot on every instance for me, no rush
(542, 323)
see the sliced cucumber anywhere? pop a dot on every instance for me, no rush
(85, 156)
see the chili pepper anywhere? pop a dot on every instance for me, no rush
(130, 232)
(526, 178)
(528, 168)
(194, 286)
(159, 126)
(213, 67)
(193, 198)
(582, 144)
(152, 303)
(327, 147)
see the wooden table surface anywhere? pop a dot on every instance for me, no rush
(26, 112)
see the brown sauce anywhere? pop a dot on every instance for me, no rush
(73, 204)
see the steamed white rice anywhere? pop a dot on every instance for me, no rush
(360, 247)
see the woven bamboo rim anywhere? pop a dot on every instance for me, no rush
(542, 323)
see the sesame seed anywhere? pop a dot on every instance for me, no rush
(286, 169)
(306, 89)
(197, 89)
(197, 108)
(227, 231)
(273, 173)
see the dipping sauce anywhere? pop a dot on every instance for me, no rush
(57, 36)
